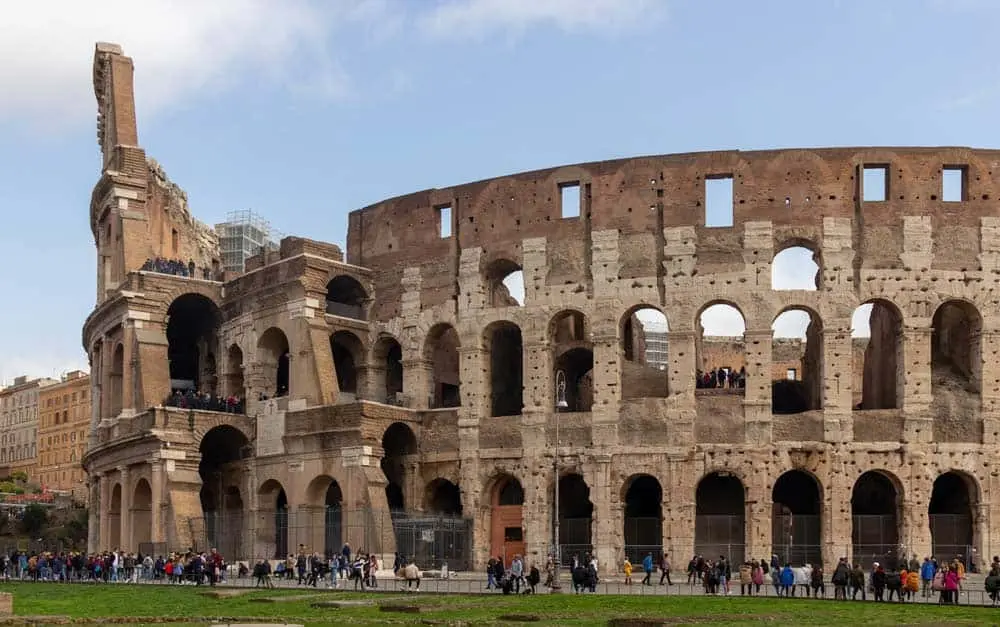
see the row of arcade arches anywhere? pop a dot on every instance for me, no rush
(194, 321)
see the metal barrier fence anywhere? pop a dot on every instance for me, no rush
(574, 539)
(875, 538)
(720, 535)
(431, 540)
(643, 536)
(951, 535)
(797, 539)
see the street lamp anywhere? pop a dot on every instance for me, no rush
(561, 404)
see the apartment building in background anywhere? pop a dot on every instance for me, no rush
(19, 425)
(63, 418)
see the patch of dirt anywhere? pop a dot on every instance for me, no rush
(285, 599)
(519, 618)
(684, 620)
(224, 594)
(403, 609)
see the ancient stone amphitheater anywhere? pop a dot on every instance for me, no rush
(409, 397)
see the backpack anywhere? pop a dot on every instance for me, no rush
(938, 582)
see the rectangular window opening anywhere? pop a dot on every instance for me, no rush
(719, 200)
(875, 183)
(513, 534)
(570, 200)
(790, 374)
(953, 181)
(444, 221)
(174, 241)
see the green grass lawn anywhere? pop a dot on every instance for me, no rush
(119, 601)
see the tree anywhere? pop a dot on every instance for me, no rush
(34, 519)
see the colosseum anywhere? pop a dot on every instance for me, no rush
(400, 397)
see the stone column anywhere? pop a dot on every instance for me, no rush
(987, 377)
(607, 388)
(417, 381)
(129, 377)
(679, 511)
(838, 382)
(105, 503)
(95, 507)
(125, 543)
(757, 400)
(107, 361)
(914, 379)
(681, 353)
(607, 544)
(157, 487)
(838, 526)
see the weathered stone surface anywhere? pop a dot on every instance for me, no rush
(411, 368)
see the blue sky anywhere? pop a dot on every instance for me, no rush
(304, 110)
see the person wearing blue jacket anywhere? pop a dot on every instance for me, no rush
(787, 580)
(927, 571)
(647, 565)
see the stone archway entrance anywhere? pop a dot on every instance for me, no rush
(506, 519)
(796, 526)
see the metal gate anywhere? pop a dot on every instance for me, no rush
(797, 538)
(720, 535)
(574, 539)
(643, 536)
(874, 538)
(951, 536)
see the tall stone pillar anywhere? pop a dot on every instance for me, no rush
(607, 391)
(157, 487)
(607, 543)
(838, 381)
(914, 379)
(988, 376)
(129, 373)
(95, 507)
(679, 510)
(757, 400)
(472, 366)
(417, 377)
(105, 502)
(107, 363)
(837, 523)
(126, 516)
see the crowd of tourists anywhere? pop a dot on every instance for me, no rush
(202, 400)
(176, 267)
(196, 568)
(727, 378)
(341, 570)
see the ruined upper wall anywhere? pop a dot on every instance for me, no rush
(640, 198)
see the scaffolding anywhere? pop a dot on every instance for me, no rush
(244, 234)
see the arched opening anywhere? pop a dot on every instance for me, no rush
(223, 449)
(880, 385)
(398, 444)
(952, 512)
(234, 367)
(505, 348)
(345, 297)
(388, 357)
(720, 348)
(504, 284)
(333, 523)
(643, 518)
(956, 352)
(193, 323)
(115, 518)
(875, 513)
(347, 352)
(720, 517)
(796, 268)
(573, 362)
(141, 517)
(443, 498)
(644, 351)
(507, 519)
(117, 379)
(273, 357)
(441, 349)
(796, 362)
(575, 513)
(274, 530)
(796, 527)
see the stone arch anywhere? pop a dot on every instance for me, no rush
(193, 324)
(223, 449)
(399, 445)
(797, 523)
(348, 356)
(273, 355)
(115, 517)
(643, 517)
(324, 492)
(444, 498)
(720, 352)
(387, 357)
(274, 528)
(952, 514)
(234, 369)
(573, 357)
(504, 347)
(876, 515)
(506, 518)
(441, 350)
(720, 516)
(956, 352)
(575, 512)
(796, 265)
(797, 365)
(346, 297)
(141, 516)
(883, 369)
(504, 284)
(117, 379)
(645, 362)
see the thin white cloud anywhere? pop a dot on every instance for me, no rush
(722, 321)
(458, 18)
(181, 47)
